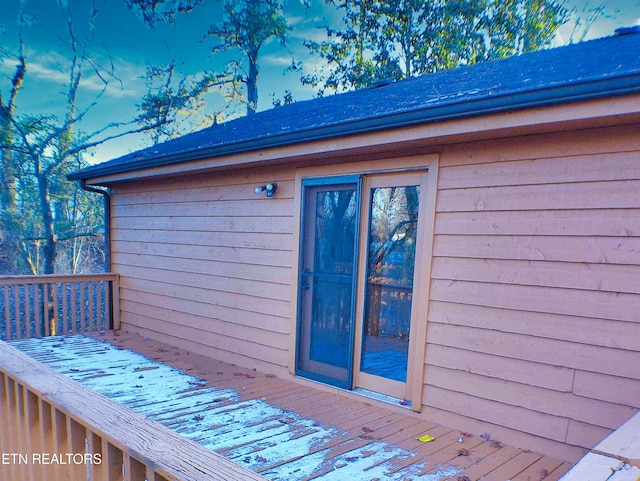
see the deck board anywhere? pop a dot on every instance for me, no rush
(539, 470)
(492, 462)
(281, 429)
(514, 466)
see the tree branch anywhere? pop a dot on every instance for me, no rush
(89, 145)
(65, 238)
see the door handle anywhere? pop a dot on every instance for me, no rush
(306, 285)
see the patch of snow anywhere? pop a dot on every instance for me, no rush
(253, 433)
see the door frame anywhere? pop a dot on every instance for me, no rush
(363, 380)
(422, 284)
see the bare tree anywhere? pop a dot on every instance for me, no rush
(175, 103)
(156, 11)
(46, 148)
(582, 19)
(9, 160)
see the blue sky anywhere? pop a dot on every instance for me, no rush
(122, 38)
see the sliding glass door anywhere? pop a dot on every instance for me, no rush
(359, 245)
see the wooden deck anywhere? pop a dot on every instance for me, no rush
(279, 428)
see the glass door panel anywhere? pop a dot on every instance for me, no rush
(391, 253)
(386, 319)
(329, 232)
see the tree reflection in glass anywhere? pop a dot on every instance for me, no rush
(390, 267)
(335, 229)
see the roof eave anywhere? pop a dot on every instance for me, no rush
(549, 96)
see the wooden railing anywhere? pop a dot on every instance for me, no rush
(389, 308)
(53, 428)
(38, 306)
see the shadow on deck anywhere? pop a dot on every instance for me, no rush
(278, 428)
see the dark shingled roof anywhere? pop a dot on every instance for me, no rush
(598, 68)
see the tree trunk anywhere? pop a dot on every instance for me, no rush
(8, 214)
(50, 245)
(252, 84)
(8, 195)
(50, 248)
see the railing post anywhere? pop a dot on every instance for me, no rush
(47, 310)
(52, 311)
(114, 300)
(7, 311)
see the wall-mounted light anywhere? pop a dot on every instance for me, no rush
(270, 189)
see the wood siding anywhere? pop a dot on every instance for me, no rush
(534, 315)
(206, 263)
(534, 305)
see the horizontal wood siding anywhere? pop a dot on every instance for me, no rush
(534, 304)
(206, 263)
(534, 315)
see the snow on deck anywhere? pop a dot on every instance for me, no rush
(280, 444)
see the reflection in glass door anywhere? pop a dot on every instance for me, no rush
(358, 250)
(391, 253)
(329, 234)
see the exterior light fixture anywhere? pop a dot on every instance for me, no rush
(270, 189)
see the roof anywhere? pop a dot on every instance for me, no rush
(604, 67)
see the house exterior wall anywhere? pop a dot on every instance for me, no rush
(534, 306)
(534, 315)
(206, 263)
